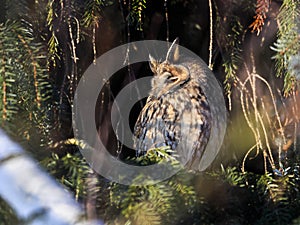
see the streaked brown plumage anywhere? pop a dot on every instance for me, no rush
(177, 113)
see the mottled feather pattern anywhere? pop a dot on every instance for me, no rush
(177, 112)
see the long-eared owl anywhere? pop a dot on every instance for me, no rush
(177, 113)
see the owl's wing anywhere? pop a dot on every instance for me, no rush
(144, 116)
(201, 131)
(199, 146)
(156, 126)
(144, 123)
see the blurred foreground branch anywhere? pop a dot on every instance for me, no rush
(35, 197)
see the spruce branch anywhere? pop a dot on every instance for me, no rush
(262, 8)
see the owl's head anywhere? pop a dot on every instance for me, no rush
(169, 75)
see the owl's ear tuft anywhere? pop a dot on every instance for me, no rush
(153, 64)
(173, 52)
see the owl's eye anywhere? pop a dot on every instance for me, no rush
(166, 74)
(170, 77)
(173, 78)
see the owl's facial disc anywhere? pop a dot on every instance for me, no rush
(168, 78)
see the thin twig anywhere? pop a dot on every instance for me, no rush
(246, 156)
(94, 43)
(296, 114)
(210, 65)
(167, 20)
(73, 49)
